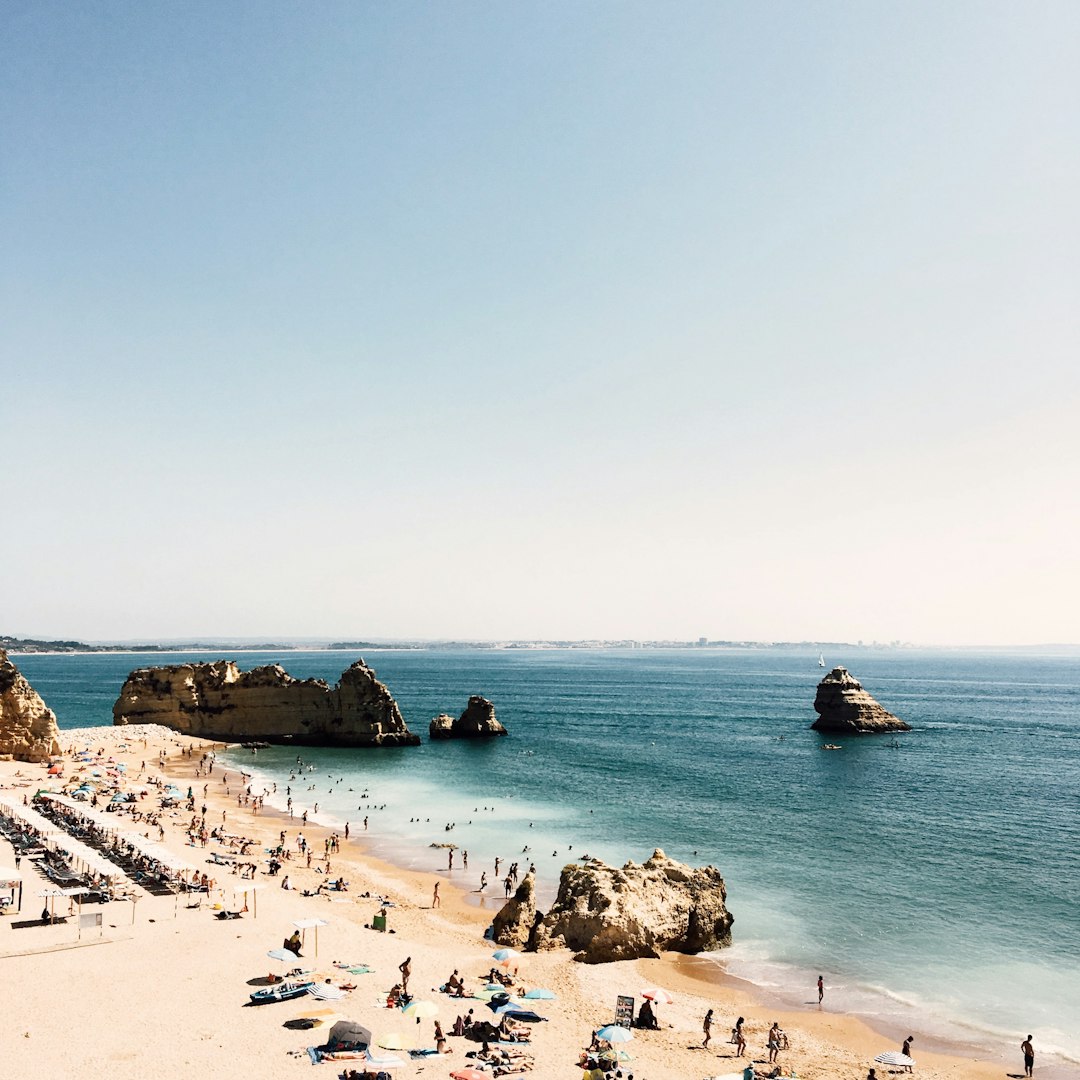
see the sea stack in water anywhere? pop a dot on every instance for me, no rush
(28, 729)
(476, 722)
(606, 914)
(219, 701)
(845, 708)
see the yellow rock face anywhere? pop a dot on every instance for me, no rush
(28, 730)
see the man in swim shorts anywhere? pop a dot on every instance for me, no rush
(1029, 1056)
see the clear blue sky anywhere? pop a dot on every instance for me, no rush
(511, 320)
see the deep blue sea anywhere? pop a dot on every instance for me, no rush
(932, 877)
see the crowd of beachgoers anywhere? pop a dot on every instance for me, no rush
(225, 900)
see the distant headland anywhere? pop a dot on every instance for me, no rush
(39, 645)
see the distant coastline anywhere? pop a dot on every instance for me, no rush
(28, 646)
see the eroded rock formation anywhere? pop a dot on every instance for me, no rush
(28, 730)
(219, 701)
(514, 922)
(476, 722)
(607, 913)
(845, 708)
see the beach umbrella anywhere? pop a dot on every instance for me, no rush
(307, 924)
(421, 1010)
(392, 1040)
(612, 1033)
(326, 991)
(280, 954)
(657, 995)
(539, 994)
(505, 956)
(348, 1032)
(252, 888)
(894, 1057)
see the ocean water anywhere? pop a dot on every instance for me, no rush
(933, 878)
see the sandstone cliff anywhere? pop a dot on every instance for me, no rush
(28, 729)
(621, 914)
(845, 708)
(476, 722)
(219, 701)
(514, 923)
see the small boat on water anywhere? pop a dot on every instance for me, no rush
(282, 991)
(821, 660)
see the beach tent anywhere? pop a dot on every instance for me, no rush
(11, 883)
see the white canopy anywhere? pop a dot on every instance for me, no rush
(153, 850)
(27, 815)
(87, 813)
(9, 877)
(59, 840)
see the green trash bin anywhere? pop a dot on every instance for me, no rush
(379, 923)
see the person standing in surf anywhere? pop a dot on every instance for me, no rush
(1029, 1056)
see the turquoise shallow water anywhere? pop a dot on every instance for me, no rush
(933, 878)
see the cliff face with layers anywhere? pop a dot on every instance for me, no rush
(28, 730)
(219, 701)
(845, 708)
(476, 722)
(606, 913)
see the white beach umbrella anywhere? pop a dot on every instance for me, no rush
(657, 995)
(308, 924)
(894, 1057)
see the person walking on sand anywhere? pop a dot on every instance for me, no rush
(820, 988)
(774, 1041)
(405, 967)
(706, 1027)
(738, 1038)
(1029, 1056)
(906, 1049)
(435, 902)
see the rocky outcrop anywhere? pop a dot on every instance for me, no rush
(608, 914)
(476, 722)
(219, 701)
(845, 708)
(514, 923)
(28, 730)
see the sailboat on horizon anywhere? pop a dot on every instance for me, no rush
(821, 660)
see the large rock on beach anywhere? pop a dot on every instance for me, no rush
(609, 914)
(845, 708)
(476, 722)
(514, 923)
(219, 701)
(28, 730)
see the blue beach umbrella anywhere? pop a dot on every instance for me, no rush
(614, 1034)
(539, 994)
(505, 955)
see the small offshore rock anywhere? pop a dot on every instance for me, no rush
(478, 721)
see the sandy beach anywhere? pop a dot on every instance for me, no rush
(162, 989)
